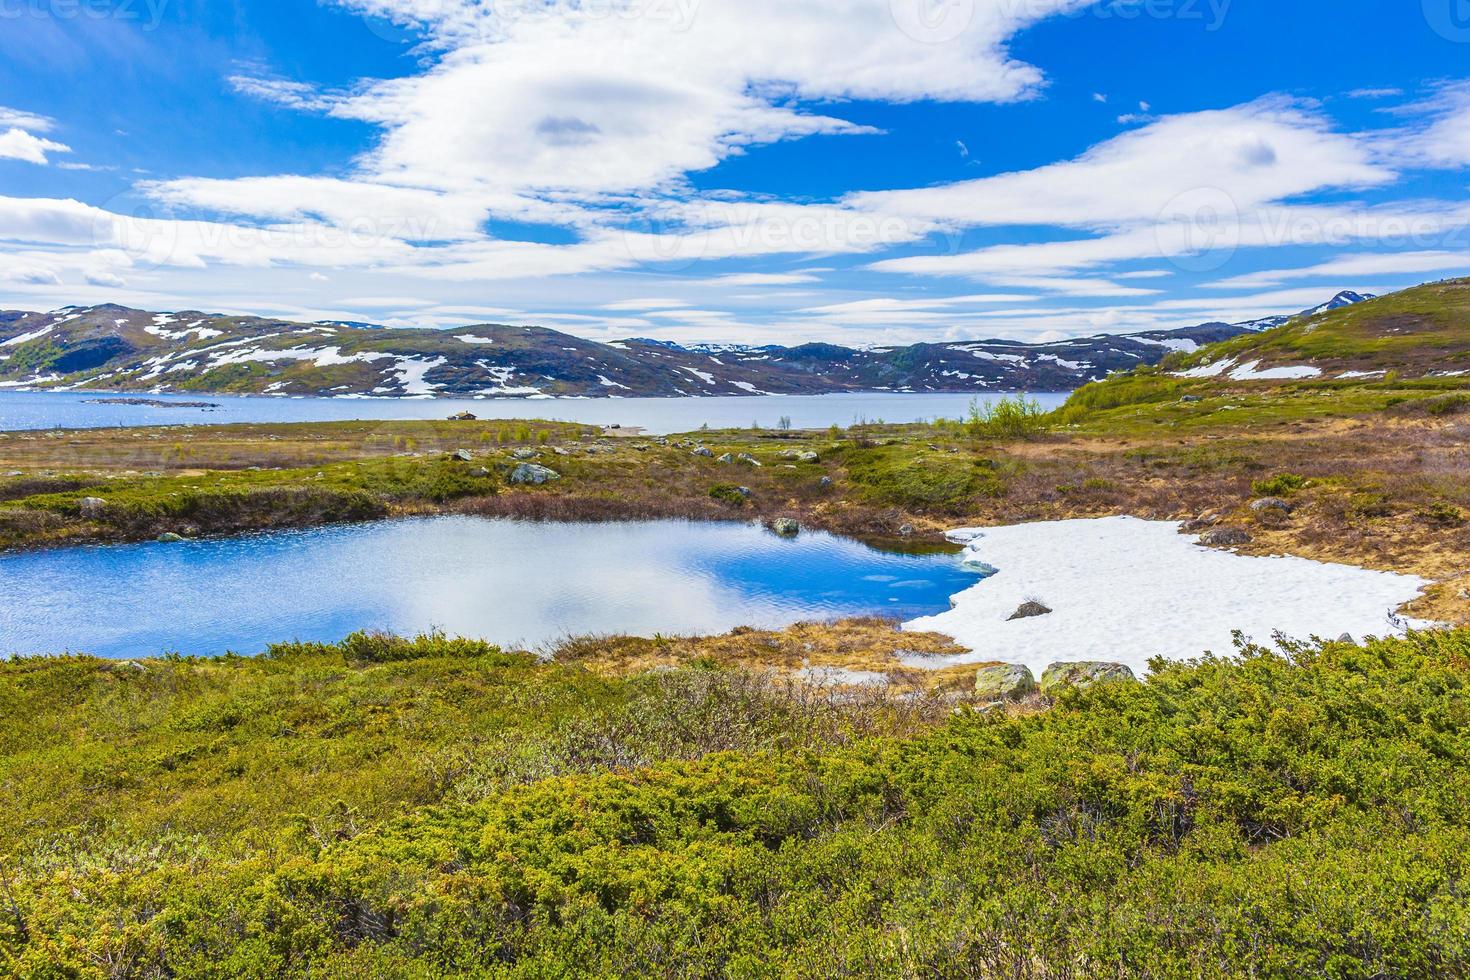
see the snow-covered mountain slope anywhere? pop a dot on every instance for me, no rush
(116, 348)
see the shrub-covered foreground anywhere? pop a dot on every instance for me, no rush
(1272, 815)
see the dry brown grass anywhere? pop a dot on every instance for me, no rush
(867, 645)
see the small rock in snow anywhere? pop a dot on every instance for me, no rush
(1225, 537)
(1030, 610)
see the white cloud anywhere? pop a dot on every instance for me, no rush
(17, 144)
(763, 279)
(1359, 266)
(20, 119)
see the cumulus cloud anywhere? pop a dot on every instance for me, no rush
(17, 144)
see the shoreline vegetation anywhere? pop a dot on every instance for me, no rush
(1363, 475)
(714, 807)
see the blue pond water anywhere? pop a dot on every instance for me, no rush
(511, 582)
(91, 410)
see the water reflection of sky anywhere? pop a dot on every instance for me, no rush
(82, 410)
(510, 582)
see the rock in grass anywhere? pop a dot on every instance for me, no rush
(92, 506)
(170, 537)
(479, 473)
(825, 483)
(786, 527)
(524, 454)
(1058, 677)
(1271, 504)
(1030, 610)
(533, 474)
(1004, 682)
(1224, 537)
(704, 451)
(727, 458)
(463, 455)
(747, 459)
(808, 458)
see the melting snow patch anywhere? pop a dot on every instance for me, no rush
(1249, 372)
(1362, 374)
(1126, 590)
(36, 335)
(469, 338)
(1207, 370)
(1180, 344)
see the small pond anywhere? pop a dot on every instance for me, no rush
(511, 582)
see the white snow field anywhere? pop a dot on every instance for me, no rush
(1127, 590)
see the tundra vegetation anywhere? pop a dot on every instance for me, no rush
(688, 806)
(436, 807)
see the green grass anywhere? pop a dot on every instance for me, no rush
(427, 809)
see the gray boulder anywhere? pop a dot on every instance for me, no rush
(524, 454)
(1271, 505)
(1224, 537)
(1058, 677)
(1191, 399)
(727, 458)
(1029, 610)
(92, 506)
(170, 537)
(825, 483)
(533, 474)
(479, 472)
(463, 456)
(808, 458)
(786, 527)
(1004, 682)
(704, 451)
(748, 459)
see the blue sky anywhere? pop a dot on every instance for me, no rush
(859, 171)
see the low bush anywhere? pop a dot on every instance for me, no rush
(1300, 812)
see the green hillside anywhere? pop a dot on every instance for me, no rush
(1408, 352)
(1417, 332)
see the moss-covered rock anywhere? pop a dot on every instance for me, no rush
(1004, 682)
(1058, 677)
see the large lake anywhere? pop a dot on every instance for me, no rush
(82, 410)
(514, 583)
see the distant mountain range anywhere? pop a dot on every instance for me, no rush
(113, 348)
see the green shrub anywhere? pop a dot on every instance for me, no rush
(1278, 814)
(1009, 418)
(1280, 485)
(728, 493)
